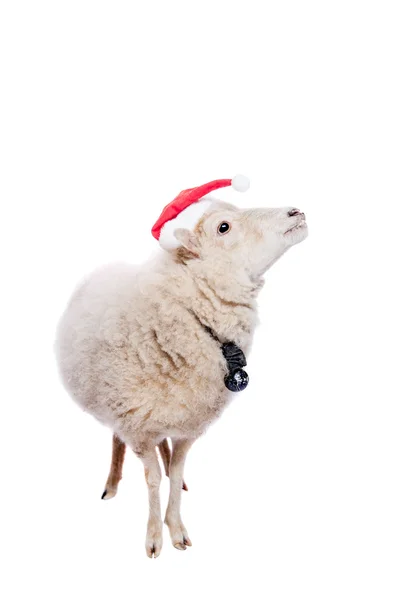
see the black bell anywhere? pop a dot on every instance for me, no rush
(236, 380)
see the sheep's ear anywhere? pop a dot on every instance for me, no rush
(188, 240)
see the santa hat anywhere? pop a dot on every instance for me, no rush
(188, 207)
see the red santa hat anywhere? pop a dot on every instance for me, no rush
(188, 207)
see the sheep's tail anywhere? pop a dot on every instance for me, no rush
(117, 461)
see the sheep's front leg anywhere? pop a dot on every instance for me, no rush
(152, 473)
(179, 535)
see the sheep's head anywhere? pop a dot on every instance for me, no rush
(250, 240)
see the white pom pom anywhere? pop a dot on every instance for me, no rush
(240, 183)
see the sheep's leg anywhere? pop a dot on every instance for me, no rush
(152, 474)
(165, 453)
(115, 474)
(179, 535)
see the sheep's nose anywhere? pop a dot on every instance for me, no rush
(293, 212)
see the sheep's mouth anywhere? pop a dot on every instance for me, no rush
(300, 225)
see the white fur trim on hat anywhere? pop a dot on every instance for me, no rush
(187, 219)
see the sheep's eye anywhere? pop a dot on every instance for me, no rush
(223, 227)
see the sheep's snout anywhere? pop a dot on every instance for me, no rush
(293, 212)
(297, 225)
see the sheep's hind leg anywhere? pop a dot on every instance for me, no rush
(165, 453)
(115, 474)
(178, 533)
(152, 473)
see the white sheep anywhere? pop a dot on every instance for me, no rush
(140, 349)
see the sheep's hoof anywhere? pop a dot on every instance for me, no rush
(154, 541)
(179, 536)
(180, 546)
(108, 493)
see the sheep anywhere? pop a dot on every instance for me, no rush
(140, 347)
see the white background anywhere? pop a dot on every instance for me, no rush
(108, 110)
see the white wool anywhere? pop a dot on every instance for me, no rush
(187, 219)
